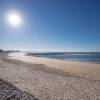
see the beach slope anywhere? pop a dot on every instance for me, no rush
(50, 79)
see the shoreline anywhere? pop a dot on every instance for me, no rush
(57, 55)
(93, 62)
(83, 69)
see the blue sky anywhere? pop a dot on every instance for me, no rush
(51, 25)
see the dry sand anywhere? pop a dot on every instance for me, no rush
(43, 79)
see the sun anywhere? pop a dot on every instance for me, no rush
(14, 19)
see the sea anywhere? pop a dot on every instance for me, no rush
(93, 57)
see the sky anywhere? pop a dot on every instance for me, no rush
(51, 25)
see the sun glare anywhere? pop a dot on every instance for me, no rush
(14, 19)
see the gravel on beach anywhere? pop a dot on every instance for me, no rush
(9, 92)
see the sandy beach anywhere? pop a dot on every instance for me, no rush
(51, 79)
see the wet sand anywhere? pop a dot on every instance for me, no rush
(42, 78)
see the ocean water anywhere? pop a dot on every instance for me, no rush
(93, 57)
